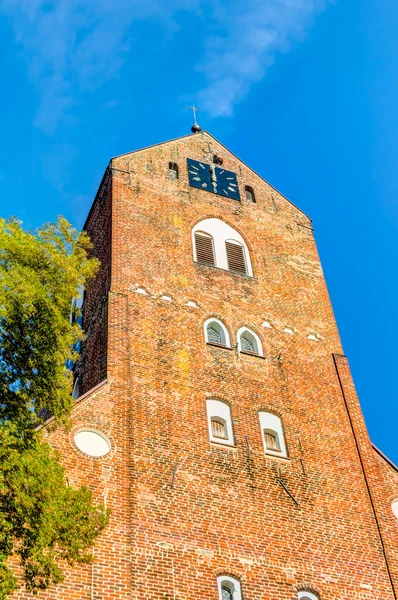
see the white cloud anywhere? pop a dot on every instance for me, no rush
(248, 36)
(73, 47)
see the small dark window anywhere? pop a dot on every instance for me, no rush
(249, 193)
(204, 249)
(236, 257)
(219, 428)
(226, 594)
(173, 170)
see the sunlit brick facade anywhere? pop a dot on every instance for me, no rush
(187, 508)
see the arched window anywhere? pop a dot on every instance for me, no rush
(217, 244)
(173, 170)
(216, 333)
(249, 342)
(250, 193)
(204, 249)
(304, 595)
(228, 588)
(272, 433)
(219, 422)
(394, 508)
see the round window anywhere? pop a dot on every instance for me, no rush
(92, 443)
(394, 506)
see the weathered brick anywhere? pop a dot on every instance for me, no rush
(226, 512)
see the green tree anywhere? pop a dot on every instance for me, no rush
(43, 521)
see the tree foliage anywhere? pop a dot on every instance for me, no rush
(43, 521)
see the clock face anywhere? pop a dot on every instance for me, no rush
(199, 175)
(212, 179)
(226, 183)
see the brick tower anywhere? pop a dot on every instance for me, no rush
(216, 416)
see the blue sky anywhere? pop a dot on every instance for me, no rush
(304, 91)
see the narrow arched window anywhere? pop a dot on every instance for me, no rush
(204, 249)
(219, 422)
(272, 434)
(216, 333)
(226, 594)
(228, 588)
(173, 170)
(249, 342)
(250, 193)
(235, 257)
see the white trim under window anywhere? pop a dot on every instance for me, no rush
(272, 434)
(229, 584)
(219, 335)
(248, 341)
(219, 422)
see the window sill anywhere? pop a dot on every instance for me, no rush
(246, 275)
(251, 354)
(223, 346)
(222, 445)
(279, 458)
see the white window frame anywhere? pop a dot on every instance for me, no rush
(221, 232)
(225, 333)
(304, 595)
(221, 410)
(272, 423)
(232, 584)
(394, 508)
(241, 331)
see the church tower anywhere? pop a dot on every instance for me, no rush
(217, 417)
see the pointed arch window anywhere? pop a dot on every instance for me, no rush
(217, 244)
(249, 342)
(228, 588)
(272, 434)
(216, 333)
(219, 422)
(249, 192)
(173, 170)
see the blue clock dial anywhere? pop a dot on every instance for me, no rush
(226, 183)
(199, 175)
(212, 179)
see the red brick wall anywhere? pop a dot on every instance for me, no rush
(226, 511)
(93, 365)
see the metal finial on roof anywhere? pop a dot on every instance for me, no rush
(195, 127)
